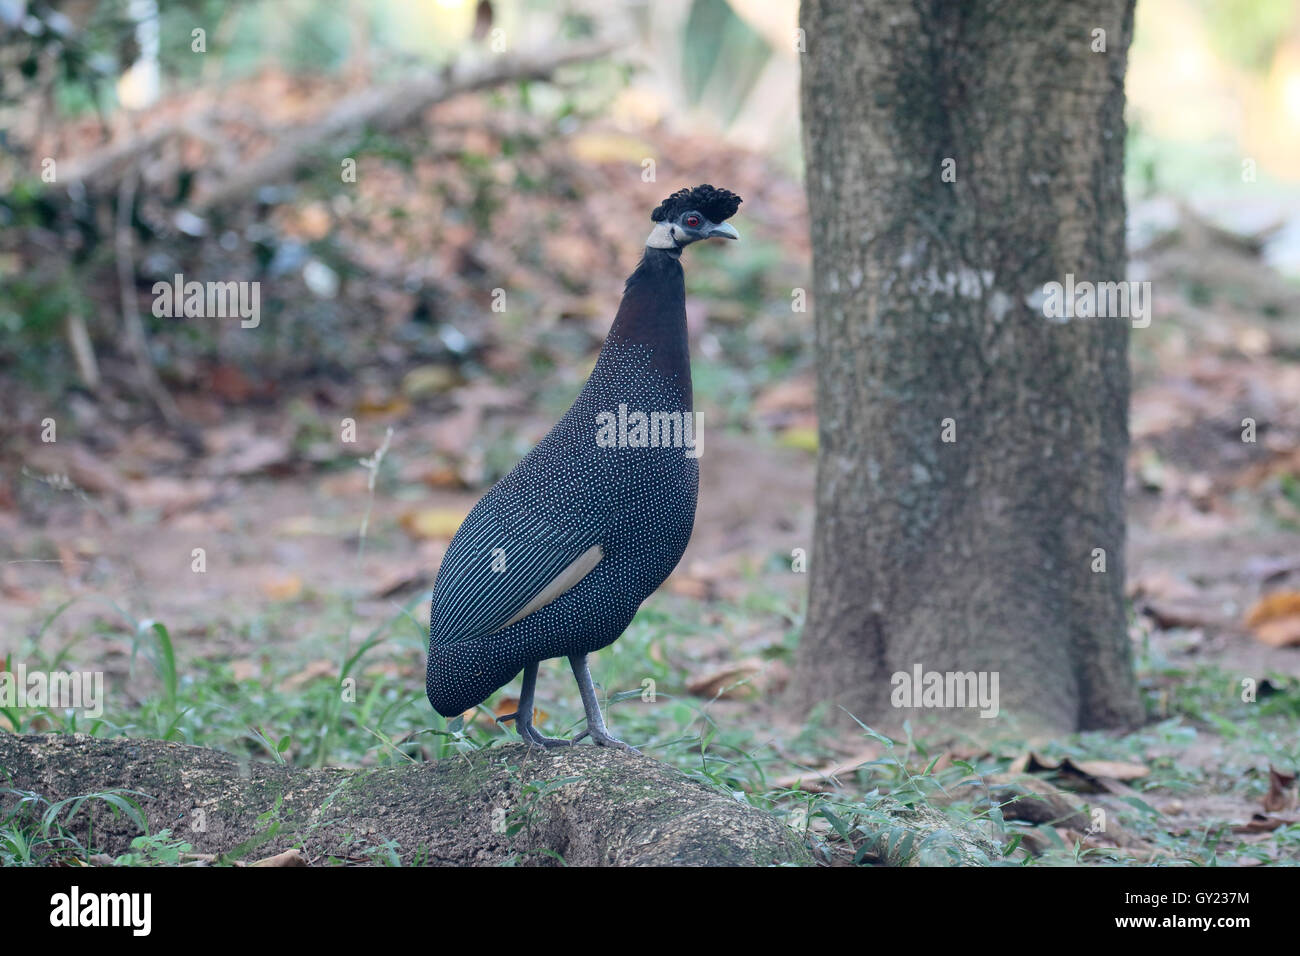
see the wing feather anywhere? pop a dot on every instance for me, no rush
(519, 549)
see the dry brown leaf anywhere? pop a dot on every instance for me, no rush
(1272, 606)
(1162, 584)
(1170, 614)
(1275, 619)
(251, 454)
(1030, 762)
(312, 671)
(436, 523)
(510, 705)
(203, 521)
(741, 681)
(1259, 823)
(230, 384)
(453, 434)
(823, 779)
(312, 221)
(82, 468)
(69, 560)
(282, 587)
(245, 669)
(168, 495)
(15, 592)
(1281, 791)
(396, 580)
(1284, 632)
(439, 476)
(1032, 800)
(1113, 769)
(300, 526)
(346, 484)
(1286, 463)
(376, 405)
(292, 857)
(1101, 774)
(797, 395)
(691, 587)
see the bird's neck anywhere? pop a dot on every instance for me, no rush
(653, 315)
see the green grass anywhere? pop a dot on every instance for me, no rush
(316, 720)
(35, 831)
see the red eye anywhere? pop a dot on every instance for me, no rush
(692, 221)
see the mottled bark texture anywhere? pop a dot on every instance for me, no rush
(974, 555)
(585, 806)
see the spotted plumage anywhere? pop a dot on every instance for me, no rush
(581, 530)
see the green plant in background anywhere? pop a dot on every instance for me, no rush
(867, 819)
(1249, 32)
(37, 832)
(722, 57)
(158, 849)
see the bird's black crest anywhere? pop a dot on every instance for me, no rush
(715, 204)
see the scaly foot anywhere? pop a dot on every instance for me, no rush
(601, 738)
(530, 734)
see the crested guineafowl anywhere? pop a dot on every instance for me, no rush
(556, 558)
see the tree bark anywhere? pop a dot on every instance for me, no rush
(583, 806)
(975, 554)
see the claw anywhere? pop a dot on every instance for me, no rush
(605, 740)
(533, 737)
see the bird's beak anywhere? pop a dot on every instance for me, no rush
(723, 231)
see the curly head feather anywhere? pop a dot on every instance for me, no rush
(716, 205)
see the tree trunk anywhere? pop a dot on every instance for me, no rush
(975, 554)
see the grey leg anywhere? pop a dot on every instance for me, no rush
(524, 716)
(600, 735)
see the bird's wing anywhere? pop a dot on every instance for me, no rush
(530, 539)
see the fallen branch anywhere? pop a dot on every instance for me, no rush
(583, 805)
(105, 168)
(384, 109)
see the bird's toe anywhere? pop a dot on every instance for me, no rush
(531, 736)
(605, 740)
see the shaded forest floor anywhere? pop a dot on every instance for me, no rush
(307, 571)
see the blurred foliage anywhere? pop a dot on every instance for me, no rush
(1249, 32)
(722, 56)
